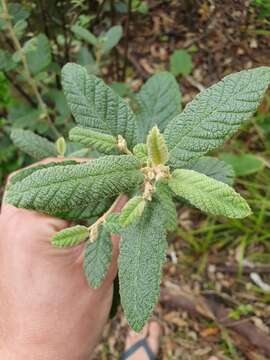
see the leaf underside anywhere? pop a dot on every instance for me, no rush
(71, 236)
(209, 195)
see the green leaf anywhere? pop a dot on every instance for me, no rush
(112, 223)
(104, 143)
(71, 236)
(243, 164)
(208, 195)
(62, 188)
(61, 146)
(34, 145)
(132, 210)
(142, 254)
(95, 105)
(84, 34)
(17, 13)
(6, 62)
(157, 148)
(159, 101)
(165, 196)
(87, 211)
(97, 258)
(213, 168)
(22, 174)
(40, 57)
(180, 63)
(215, 114)
(140, 151)
(111, 38)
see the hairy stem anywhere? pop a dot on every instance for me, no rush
(29, 78)
(94, 227)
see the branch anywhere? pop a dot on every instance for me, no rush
(19, 89)
(28, 75)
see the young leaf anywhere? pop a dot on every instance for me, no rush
(213, 168)
(180, 63)
(111, 38)
(243, 164)
(61, 146)
(84, 34)
(142, 254)
(157, 148)
(71, 236)
(215, 114)
(132, 210)
(165, 196)
(102, 142)
(140, 151)
(97, 258)
(62, 188)
(208, 195)
(112, 224)
(159, 102)
(34, 145)
(95, 105)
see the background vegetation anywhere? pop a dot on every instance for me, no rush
(222, 266)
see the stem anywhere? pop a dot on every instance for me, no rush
(94, 227)
(29, 77)
(19, 89)
(126, 40)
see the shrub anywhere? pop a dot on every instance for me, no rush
(156, 156)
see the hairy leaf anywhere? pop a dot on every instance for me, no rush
(71, 236)
(22, 174)
(97, 258)
(157, 148)
(165, 196)
(102, 142)
(142, 254)
(34, 145)
(61, 146)
(95, 105)
(159, 102)
(215, 114)
(112, 223)
(87, 211)
(62, 188)
(140, 151)
(132, 210)
(213, 168)
(209, 195)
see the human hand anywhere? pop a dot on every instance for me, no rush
(47, 309)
